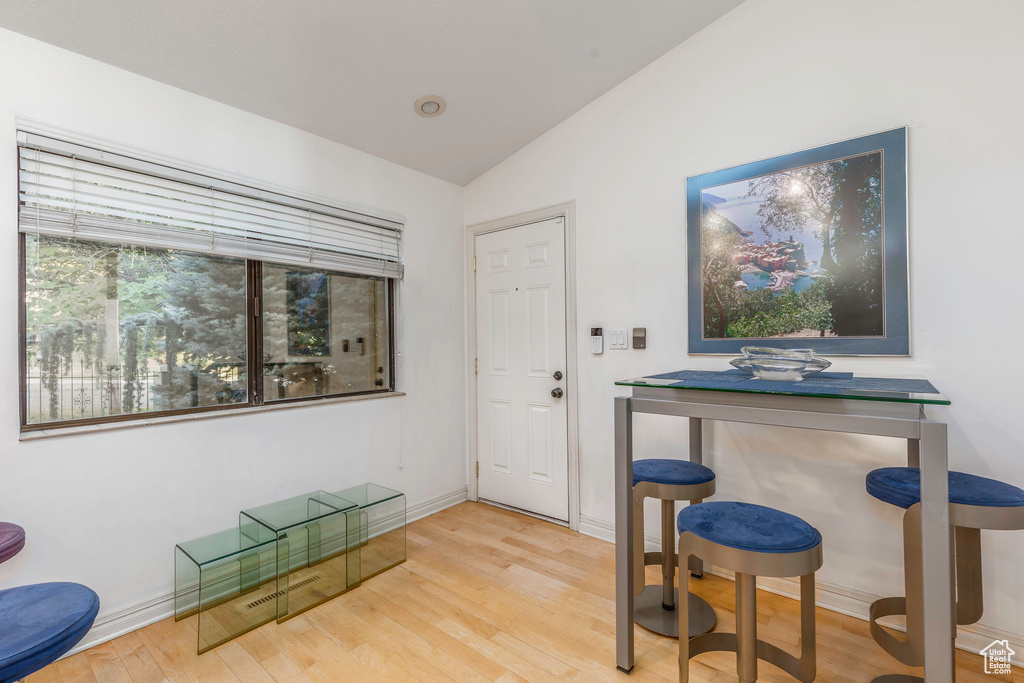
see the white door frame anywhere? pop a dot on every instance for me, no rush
(567, 212)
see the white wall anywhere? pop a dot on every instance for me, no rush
(106, 509)
(767, 79)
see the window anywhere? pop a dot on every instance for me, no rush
(114, 330)
(148, 291)
(323, 333)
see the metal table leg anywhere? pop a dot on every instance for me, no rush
(937, 580)
(623, 534)
(913, 453)
(696, 455)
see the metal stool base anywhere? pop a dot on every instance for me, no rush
(648, 612)
(965, 523)
(748, 565)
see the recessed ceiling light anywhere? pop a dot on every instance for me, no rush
(430, 105)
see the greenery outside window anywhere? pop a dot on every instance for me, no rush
(114, 330)
(323, 333)
(116, 326)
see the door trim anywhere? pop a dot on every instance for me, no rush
(567, 212)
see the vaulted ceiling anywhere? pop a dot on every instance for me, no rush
(350, 71)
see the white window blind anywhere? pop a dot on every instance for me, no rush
(69, 190)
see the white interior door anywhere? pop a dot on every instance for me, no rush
(522, 449)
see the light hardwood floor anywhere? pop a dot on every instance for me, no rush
(486, 595)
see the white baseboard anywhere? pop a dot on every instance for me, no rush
(854, 603)
(605, 531)
(151, 610)
(597, 528)
(134, 617)
(434, 505)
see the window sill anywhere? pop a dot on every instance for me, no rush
(192, 417)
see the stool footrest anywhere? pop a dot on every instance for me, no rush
(905, 651)
(727, 642)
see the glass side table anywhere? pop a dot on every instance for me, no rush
(381, 527)
(317, 544)
(228, 580)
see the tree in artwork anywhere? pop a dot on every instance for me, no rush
(757, 236)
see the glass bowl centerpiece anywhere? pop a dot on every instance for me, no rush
(789, 365)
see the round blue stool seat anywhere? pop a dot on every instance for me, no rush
(746, 526)
(40, 623)
(673, 472)
(12, 540)
(901, 486)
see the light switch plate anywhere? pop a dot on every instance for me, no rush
(617, 340)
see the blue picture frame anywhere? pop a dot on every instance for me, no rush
(846, 201)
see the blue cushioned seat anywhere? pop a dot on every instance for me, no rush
(746, 526)
(901, 486)
(674, 472)
(40, 623)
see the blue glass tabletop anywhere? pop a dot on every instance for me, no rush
(841, 385)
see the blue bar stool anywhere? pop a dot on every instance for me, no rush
(752, 540)
(669, 481)
(39, 623)
(975, 503)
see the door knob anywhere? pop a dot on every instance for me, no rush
(558, 374)
(556, 392)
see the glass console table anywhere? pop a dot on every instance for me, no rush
(285, 558)
(229, 580)
(381, 527)
(317, 556)
(840, 402)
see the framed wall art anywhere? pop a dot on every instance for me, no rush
(804, 250)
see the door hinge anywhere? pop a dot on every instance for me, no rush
(256, 306)
(476, 366)
(474, 264)
(478, 470)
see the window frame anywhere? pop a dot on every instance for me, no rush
(254, 356)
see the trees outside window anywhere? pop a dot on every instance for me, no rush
(115, 331)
